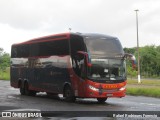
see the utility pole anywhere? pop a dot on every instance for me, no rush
(139, 77)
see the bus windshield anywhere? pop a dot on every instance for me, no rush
(107, 69)
(103, 46)
(106, 56)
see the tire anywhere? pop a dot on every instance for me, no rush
(101, 100)
(21, 89)
(27, 91)
(68, 94)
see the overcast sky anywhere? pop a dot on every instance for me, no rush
(22, 20)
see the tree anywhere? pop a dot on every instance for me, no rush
(149, 60)
(4, 60)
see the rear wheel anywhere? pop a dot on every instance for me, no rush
(68, 94)
(21, 89)
(27, 91)
(101, 100)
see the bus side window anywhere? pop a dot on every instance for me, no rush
(76, 44)
(82, 64)
(54, 48)
(34, 50)
(14, 52)
(20, 51)
(79, 65)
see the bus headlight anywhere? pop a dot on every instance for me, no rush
(93, 88)
(122, 88)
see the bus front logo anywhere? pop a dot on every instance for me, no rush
(111, 86)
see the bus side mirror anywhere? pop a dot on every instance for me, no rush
(86, 56)
(131, 58)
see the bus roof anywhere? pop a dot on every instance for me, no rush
(96, 35)
(62, 36)
(46, 38)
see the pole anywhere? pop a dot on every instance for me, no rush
(139, 77)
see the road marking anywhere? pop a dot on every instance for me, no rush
(150, 104)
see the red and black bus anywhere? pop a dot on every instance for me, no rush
(73, 64)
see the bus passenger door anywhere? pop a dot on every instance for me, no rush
(81, 72)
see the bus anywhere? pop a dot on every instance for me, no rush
(77, 65)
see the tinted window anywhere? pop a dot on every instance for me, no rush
(77, 44)
(58, 47)
(20, 51)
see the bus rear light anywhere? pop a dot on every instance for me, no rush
(93, 88)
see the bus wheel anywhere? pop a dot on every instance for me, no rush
(101, 100)
(22, 90)
(26, 89)
(68, 94)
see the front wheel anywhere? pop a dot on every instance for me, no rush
(68, 94)
(101, 100)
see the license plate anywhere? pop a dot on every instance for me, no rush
(109, 95)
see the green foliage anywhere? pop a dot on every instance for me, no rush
(131, 72)
(144, 82)
(146, 88)
(4, 61)
(4, 64)
(149, 61)
(151, 92)
(130, 50)
(5, 75)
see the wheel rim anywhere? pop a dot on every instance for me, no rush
(68, 94)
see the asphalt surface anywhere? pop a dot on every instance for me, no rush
(11, 100)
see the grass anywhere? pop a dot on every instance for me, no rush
(152, 92)
(149, 88)
(5, 75)
(145, 82)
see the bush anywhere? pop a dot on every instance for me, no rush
(5, 74)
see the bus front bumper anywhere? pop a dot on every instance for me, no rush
(103, 93)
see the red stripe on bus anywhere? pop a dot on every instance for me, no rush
(43, 39)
